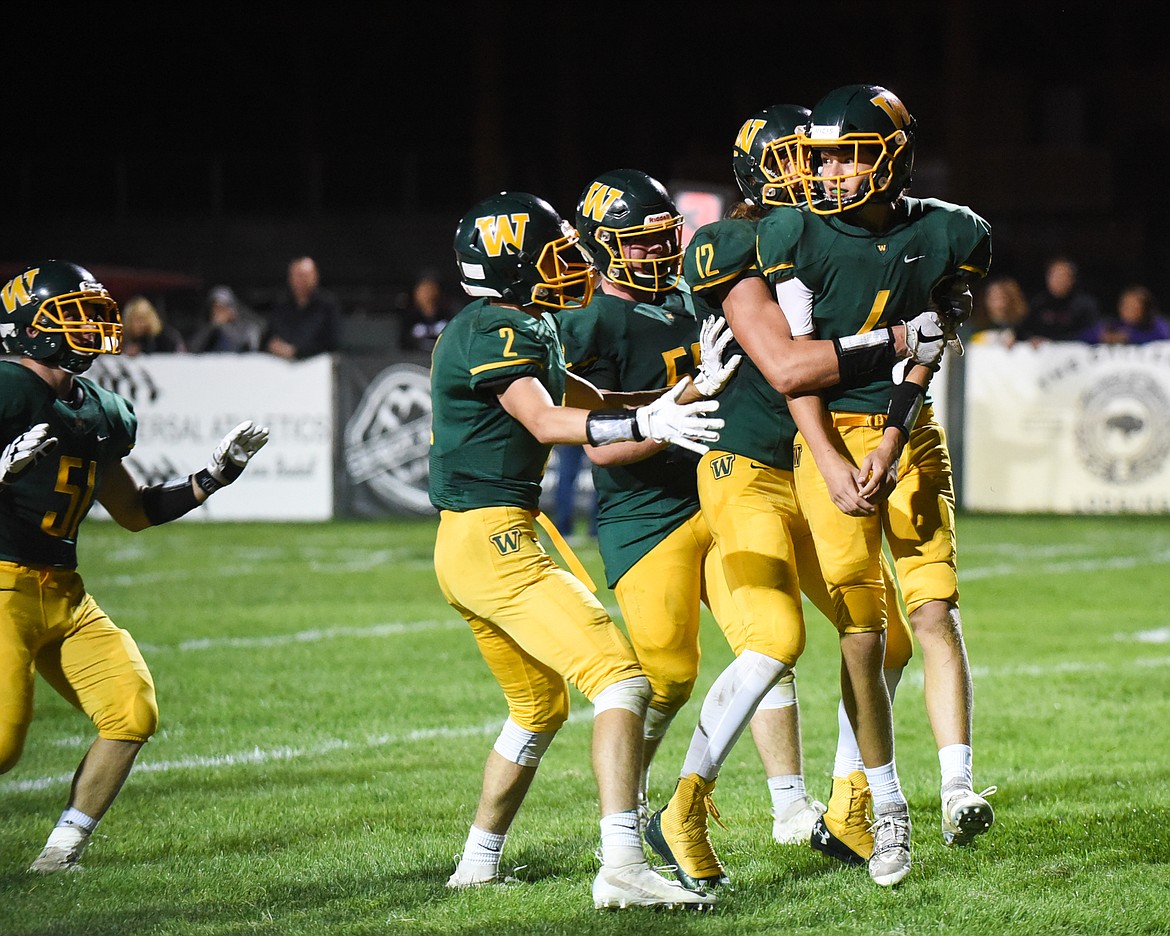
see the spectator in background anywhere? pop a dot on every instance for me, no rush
(144, 331)
(306, 321)
(230, 328)
(1001, 309)
(1138, 320)
(1063, 310)
(426, 316)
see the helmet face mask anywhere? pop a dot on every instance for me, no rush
(515, 247)
(869, 135)
(763, 157)
(58, 313)
(631, 230)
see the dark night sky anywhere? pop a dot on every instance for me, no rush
(428, 107)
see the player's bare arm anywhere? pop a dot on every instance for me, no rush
(809, 413)
(763, 331)
(663, 420)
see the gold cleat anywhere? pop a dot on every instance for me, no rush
(844, 831)
(678, 834)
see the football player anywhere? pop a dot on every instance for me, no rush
(855, 160)
(501, 398)
(64, 439)
(642, 330)
(746, 489)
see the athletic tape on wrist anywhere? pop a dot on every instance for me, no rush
(606, 426)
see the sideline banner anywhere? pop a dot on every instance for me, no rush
(384, 428)
(1068, 428)
(186, 403)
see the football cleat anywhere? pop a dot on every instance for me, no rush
(636, 885)
(55, 858)
(678, 834)
(890, 861)
(844, 832)
(794, 826)
(965, 814)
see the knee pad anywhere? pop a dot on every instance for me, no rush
(631, 694)
(521, 746)
(781, 695)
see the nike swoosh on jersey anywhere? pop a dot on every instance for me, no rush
(912, 259)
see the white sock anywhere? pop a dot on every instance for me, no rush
(75, 817)
(621, 842)
(483, 848)
(848, 756)
(785, 791)
(884, 786)
(728, 707)
(954, 761)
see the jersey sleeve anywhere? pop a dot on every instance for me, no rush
(777, 237)
(972, 236)
(502, 348)
(718, 255)
(120, 416)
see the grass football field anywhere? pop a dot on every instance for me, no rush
(325, 719)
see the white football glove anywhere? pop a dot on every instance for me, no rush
(232, 454)
(925, 338)
(685, 424)
(24, 451)
(714, 372)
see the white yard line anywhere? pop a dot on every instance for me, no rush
(261, 756)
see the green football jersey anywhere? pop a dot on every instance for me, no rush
(480, 456)
(620, 344)
(757, 423)
(41, 511)
(862, 281)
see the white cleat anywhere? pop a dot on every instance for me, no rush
(55, 858)
(474, 874)
(795, 824)
(635, 885)
(965, 814)
(890, 861)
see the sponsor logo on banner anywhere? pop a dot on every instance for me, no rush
(1124, 429)
(387, 439)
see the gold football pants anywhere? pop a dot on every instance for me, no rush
(917, 520)
(660, 597)
(535, 624)
(50, 625)
(770, 557)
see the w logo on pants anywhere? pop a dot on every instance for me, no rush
(721, 466)
(507, 542)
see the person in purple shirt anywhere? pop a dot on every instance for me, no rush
(1138, 320)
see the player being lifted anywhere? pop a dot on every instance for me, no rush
(747, 491)
(865, 254)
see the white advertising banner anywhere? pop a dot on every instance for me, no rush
(186, 403)
(1068, 428)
